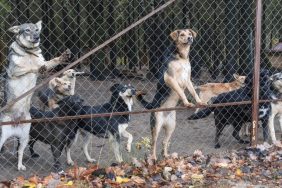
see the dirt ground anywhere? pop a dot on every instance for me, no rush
(188, 136)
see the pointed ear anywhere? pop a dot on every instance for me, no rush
(193, 33)
(114, 87)
(174, 35)
(39, 25)
(14, 29)
(58, 80)
(236, 76)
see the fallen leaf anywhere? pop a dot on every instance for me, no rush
(138, 180)
(122, 180)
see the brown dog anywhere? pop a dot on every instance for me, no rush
(209, 90)
(58, 89)
(174, 79)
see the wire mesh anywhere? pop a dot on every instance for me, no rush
(224, 46)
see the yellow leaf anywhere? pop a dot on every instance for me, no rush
(70, 183)
(239, 172)
(29, 185)
(121, 180)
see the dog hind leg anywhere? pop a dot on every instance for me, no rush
(57, 151)
(235, 134)
(271, 126)
(219, 128)
(86, 141)
(23, 144)
(115, 142)
(169, 127)
(31, 144)
(156, 125)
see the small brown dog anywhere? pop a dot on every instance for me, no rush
(209, 90)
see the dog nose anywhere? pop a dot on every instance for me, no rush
(133, 92)
(36, 38)
(69, 87)
(190, 38)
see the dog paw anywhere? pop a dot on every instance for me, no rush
(42, 69)
(201, 103)
(66, 55)
(21, 167)
(188, 104)
(35, 155)
(70, 162)
(217, 146)
(91, 160)
(128, 149)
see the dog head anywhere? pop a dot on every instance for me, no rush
(60, 86)
(240, 79)
(124, 92)
(71, 73)
(276, 80)
(28, 34)
(71, 105)
(183, 36)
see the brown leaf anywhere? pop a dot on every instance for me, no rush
(138, 180)
(34, 179)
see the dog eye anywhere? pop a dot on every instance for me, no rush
(36, 30)
(27, 30)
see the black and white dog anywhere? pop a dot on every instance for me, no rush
(237, 115)
(276, 107)
(58, 134)
(108, 127)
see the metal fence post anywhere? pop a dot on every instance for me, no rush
(256, 73)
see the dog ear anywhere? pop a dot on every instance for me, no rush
(174, 35)
(39, 25)
(14, 29)
(114, 87)
(58, 81)
(236, 76)
(193, 32)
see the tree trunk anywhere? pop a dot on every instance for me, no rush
(111, 31)
(230, 66)
(98, 70)
(45, 7)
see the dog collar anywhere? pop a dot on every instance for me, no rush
(28, 50)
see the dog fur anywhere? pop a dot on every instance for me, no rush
(25, 63)
(174, 79)
(111, 127)
(210, 90)
(70, 75)
(276, 107)
(239, 114)
(58, 88)
(58, 134)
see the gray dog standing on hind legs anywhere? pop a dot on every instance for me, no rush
(175, 78)
(25, 63)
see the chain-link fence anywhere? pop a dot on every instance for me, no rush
(150, 57)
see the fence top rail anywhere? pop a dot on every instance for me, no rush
(180, 108)
(111, 39)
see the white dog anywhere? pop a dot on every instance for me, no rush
(25, 63)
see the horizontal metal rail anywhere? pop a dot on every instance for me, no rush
(180, 108)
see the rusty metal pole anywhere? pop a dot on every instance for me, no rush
(256, 74)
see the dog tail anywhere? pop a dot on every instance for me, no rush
(146, 104)
(201, 114)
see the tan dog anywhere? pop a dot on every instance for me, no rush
(70, 75)
(174, 79)
(209, 90)
(61, 88)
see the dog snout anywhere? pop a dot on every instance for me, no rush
(190, 39)
(69, 87)
(133, 92)
(36, 38)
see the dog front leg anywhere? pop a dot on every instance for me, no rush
(172, 83)
(129, 137)
(58, 60)
(193, 92)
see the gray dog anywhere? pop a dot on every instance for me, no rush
(25, 63)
